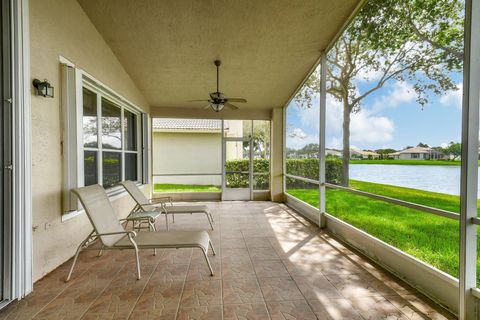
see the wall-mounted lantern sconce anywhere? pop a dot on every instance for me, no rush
(43, 88)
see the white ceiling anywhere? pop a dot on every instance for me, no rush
(266, 46)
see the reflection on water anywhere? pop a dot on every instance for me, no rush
(443, 179)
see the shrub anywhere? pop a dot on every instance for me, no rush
(240, 180)
(297, 167)
(333, 170)
(309, 168)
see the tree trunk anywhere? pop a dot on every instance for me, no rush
(346, 144)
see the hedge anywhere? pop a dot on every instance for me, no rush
(307, 168)
(239, 180)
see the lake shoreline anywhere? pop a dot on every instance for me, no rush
(410, 162)
(440, 179)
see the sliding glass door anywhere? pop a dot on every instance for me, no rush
(238, 169)
(6, 164)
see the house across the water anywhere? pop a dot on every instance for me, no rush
(417, 153)
(363, 154)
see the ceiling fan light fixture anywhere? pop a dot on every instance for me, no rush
(217, 100)
(217, 107)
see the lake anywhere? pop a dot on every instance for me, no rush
(443, 179)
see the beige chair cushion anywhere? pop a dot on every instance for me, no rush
(140, 199)
(172, 239)
(135, 192)
(185, 209)
(99, 210)
(142, 215)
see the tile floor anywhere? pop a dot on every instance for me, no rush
(270, 264)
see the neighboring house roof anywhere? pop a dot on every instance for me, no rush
(187, 125)
(333, 151)
(414, 150)
(364, 153)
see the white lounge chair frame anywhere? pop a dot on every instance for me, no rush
(160, 204)
(112, 235)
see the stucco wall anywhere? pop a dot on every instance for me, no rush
(408, 156)
(187, 153)
(62, 28)
(276, 179)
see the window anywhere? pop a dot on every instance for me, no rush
(302, 142)
(104, 137)
(110, 140)
(387, 118)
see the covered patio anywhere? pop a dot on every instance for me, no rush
(251, 108)
(271, 263)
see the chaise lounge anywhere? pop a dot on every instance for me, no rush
(145, 205)
(112, 235)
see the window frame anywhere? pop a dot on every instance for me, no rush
(103, 93)
(73, 81)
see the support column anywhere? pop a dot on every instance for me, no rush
(469, 169)
(321, 144)
(276, 156)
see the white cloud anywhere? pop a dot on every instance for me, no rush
(398, 93)
(367, 75)
(453, 97)
(309, 118)
(334, 142)
(295, 142)
(365, 127)
(297, 133)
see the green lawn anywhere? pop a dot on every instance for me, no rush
(409, 162)
(430, 238)
(164, 187)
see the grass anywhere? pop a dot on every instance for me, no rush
(430, 238)
(165, 187)
(409, 162)
(427, 198)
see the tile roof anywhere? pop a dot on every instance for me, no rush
(364, 152)
(188, 124)
(414, 150)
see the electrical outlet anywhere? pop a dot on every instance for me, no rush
(48, 225)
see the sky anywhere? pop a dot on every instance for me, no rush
(389, 118)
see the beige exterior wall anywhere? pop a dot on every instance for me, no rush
(276, 184)
(62, 28)
(408, 156)
(183, 152)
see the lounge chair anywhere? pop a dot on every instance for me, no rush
(112, 235)
(164, 205)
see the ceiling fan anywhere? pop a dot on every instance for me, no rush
(217, 99)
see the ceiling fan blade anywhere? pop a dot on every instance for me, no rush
(241, 100)
(231, 106)
(202, 100)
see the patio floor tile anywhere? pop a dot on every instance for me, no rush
(271, 264)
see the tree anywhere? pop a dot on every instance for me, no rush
(385, 152)
(414, 41)
(261, 138)
(423, 145)
(111, 132)
(310, 150)
(454, 149)
(291, 153)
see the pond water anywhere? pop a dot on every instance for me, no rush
(443, 179)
